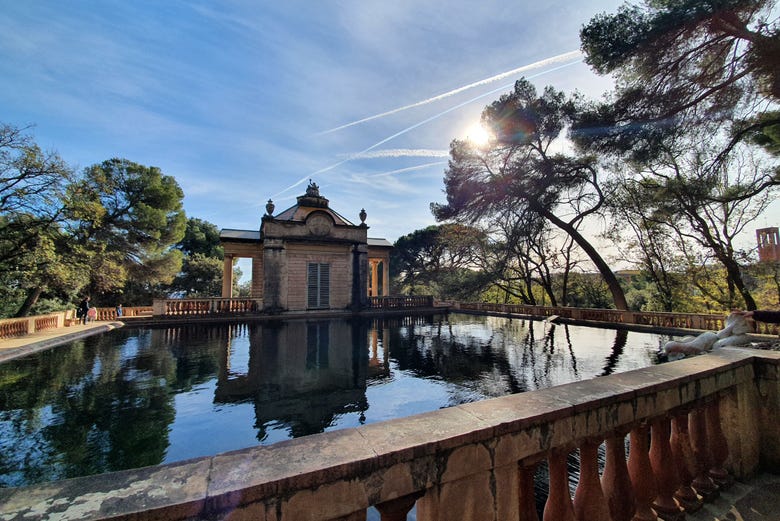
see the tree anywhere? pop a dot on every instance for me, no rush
(517, 169)
(201, 237)
(128, 217)
(682, 193)
(679, 62)
(436, 260)
(33, 250)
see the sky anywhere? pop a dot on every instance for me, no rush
(247, 100)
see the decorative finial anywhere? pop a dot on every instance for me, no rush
(269, 208)
(363, 216)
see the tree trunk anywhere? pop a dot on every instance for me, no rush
(618, 296)
(735, 275)
(29, 302)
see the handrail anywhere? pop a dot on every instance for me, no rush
(477, 460)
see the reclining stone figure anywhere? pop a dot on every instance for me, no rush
(734, 334)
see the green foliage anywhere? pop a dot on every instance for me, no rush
(201, 276)
(436, 261)
(201, 237)
(677, 63)
(129, 219)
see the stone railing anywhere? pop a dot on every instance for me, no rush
(14, 327)
(709, 322)
(127, 312)
(205, 306)
(690, 425)
(410, 302)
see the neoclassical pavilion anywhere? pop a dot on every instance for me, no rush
(309, 257)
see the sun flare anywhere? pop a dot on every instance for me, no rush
(478, 135)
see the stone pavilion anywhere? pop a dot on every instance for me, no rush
(309, 257)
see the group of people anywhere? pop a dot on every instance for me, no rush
(88, 313)
(85, 312)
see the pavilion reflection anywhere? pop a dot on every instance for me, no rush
(301, 374)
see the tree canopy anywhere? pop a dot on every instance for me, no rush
(518, 173)
(678, 62)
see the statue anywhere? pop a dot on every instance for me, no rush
(734, 334)
(312, 190)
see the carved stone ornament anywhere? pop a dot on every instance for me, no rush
(319, 224)
(363, 215)
(269, 208)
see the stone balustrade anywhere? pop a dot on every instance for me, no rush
(14, 327)
(205, 306)
(698, 321)
(405, 302)
(690, 426)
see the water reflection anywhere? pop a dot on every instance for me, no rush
(141, 397)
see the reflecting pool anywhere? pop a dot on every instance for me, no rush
(137, 397)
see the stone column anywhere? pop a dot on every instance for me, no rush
(227, 276)
(375, 278)
(386, 277)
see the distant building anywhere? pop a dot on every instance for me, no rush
(768, 244)
(309, 257)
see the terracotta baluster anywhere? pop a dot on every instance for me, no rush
(589, 500)
(697, 428)
(665, 471)
(641, 473)
(559, 506)
(719, 449)
(527, 497)
(682, 453)
(615, 482)
(397, 509)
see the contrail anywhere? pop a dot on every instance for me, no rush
(401, 152)
(419, 124)
(541, 63)
(408, 169)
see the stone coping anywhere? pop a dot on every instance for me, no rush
(516, 427)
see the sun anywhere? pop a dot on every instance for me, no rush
(478, 135)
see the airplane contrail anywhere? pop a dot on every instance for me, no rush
(541, 63)
(408, 169)
(418, 124)
(401, 152)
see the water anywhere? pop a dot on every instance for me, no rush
(137, 397)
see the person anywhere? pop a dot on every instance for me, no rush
(763, 315)
(119, 311)
(92, 314)
(83, 309)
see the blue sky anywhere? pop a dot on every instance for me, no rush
(238, 99)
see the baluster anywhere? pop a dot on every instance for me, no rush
(589, 501)
(615, 482)
(641, 473)
(526, 490)
(397, 509)
(665, 471)
(559, 506)
(719, 449)
(682, 453)
(702, 482)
